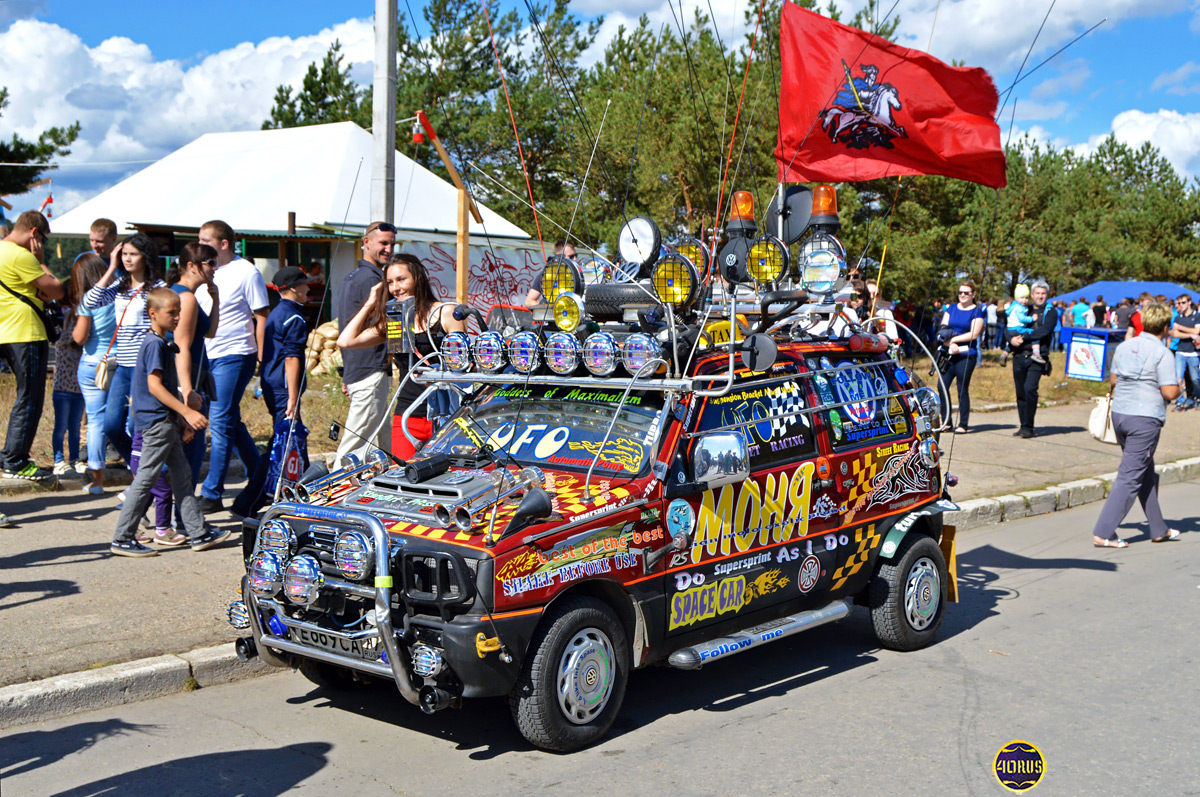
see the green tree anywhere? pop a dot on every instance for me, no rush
(54, 142)
(326, 95)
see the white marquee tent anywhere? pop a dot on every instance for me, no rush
(252, 179)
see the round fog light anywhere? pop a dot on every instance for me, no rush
(489, 351)
(638, 350)
(600, 353)
(266, 573)
(456, 351)
(353, 555)
(562, 352)
(523, 351)
(277, 536)
(302, 579)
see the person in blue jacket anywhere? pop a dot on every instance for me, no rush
(282, 378)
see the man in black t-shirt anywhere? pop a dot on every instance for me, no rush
(1187, 362)
(366, 376)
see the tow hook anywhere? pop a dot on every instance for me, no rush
(245, 648)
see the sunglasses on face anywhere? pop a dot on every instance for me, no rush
(964, 293)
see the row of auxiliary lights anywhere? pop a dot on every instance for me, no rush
(600, 353)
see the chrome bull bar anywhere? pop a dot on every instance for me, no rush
(397, 666)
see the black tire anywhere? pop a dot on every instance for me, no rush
(328, 675)
(905, 621)
(576, 641)
(603, 302)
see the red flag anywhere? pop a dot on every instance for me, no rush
(853, 106)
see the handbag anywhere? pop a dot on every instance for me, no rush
(49, 314)
(108, 364)
(1100, 421)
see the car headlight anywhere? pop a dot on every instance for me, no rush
(277, 536)
(560, 276)
(562, 352)
(767, 260)
(568, 311)
(695, 251)
(456, 351)
(354, 555)
(675, 280)
(266, 573)
(637, 350)
(489, 351)
(302, 579)
(930, 404)
(822, 260)
(600, 353)
(523, 351)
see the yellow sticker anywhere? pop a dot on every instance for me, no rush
(383, 582)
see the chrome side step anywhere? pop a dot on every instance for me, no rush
(691, 658)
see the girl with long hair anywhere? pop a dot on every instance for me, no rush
(93, 330)
(405, 278)
(134, 269)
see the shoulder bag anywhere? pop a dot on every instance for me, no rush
(1100, 421)
(108, 363)
(49, 314)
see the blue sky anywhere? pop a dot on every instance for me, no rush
(144, 80)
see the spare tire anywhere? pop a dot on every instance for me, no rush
(604, 301)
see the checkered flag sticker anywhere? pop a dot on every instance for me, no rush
(784, 399)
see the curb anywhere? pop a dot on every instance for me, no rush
(64, 695)
(980, 512)
(118, 684)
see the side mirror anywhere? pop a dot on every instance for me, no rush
(721, 458)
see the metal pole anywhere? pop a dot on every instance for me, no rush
(383, 116)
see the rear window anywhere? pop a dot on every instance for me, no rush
(871, 414)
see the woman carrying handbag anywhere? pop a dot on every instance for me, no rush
(1143, 380)
(94, 330)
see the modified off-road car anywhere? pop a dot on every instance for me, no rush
(684, 461)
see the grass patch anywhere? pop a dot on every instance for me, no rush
(992, 383)
(96, 665)
(191, 684)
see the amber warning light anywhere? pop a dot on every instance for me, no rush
(824, 205)
(743, 206)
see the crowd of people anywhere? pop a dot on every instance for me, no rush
(155, 362)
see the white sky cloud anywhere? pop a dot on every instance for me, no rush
(1175, 134)
(1180, 81)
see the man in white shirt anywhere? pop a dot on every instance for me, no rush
(233, 355)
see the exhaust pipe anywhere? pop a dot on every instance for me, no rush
(376, 462)
(433, 699)
(463, 515)
(245, 648)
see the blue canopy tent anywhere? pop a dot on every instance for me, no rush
(1113, 291)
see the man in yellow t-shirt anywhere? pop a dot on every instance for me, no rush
(26, 281)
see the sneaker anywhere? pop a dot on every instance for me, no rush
(28, 472)
(92, 489)
(60, 468)
(1037, 358)
(120, 498)
(210, 539)
(5, 521)
(81, 467)
(131, 548)
(168, 537)
(210, 506)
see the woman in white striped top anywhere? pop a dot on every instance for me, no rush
(135, 268)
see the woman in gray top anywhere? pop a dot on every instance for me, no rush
(1143, 379)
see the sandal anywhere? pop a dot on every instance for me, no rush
(1172, 534)
(959, 430)
(1113, 543)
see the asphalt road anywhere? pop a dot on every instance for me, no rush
(1089, 654)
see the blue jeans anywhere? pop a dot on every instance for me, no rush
(94, 400)
(1188, 368)
(231, 375)
(68, 413)
(116, 412)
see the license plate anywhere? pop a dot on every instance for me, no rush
(351, 647)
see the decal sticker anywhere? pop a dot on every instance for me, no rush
(867, 539)
(565, 574)
(519, 565)
(824, 507)
(747, 515)
(901, 475)
(681, 519)
(771, 581)
(619, 452)
(810, 571)
(707, 601)
(860, 387)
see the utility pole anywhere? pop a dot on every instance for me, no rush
(383, 115)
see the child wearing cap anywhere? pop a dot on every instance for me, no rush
(1021, 320)
(282, 378)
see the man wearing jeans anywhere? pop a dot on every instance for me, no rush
(27, 284)
(233, 356)
(365, 372)
(1186, 330)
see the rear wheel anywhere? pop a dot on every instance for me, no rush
(328, 675)
(908, 595)
(572, 684)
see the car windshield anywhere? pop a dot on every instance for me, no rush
(558, 427)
